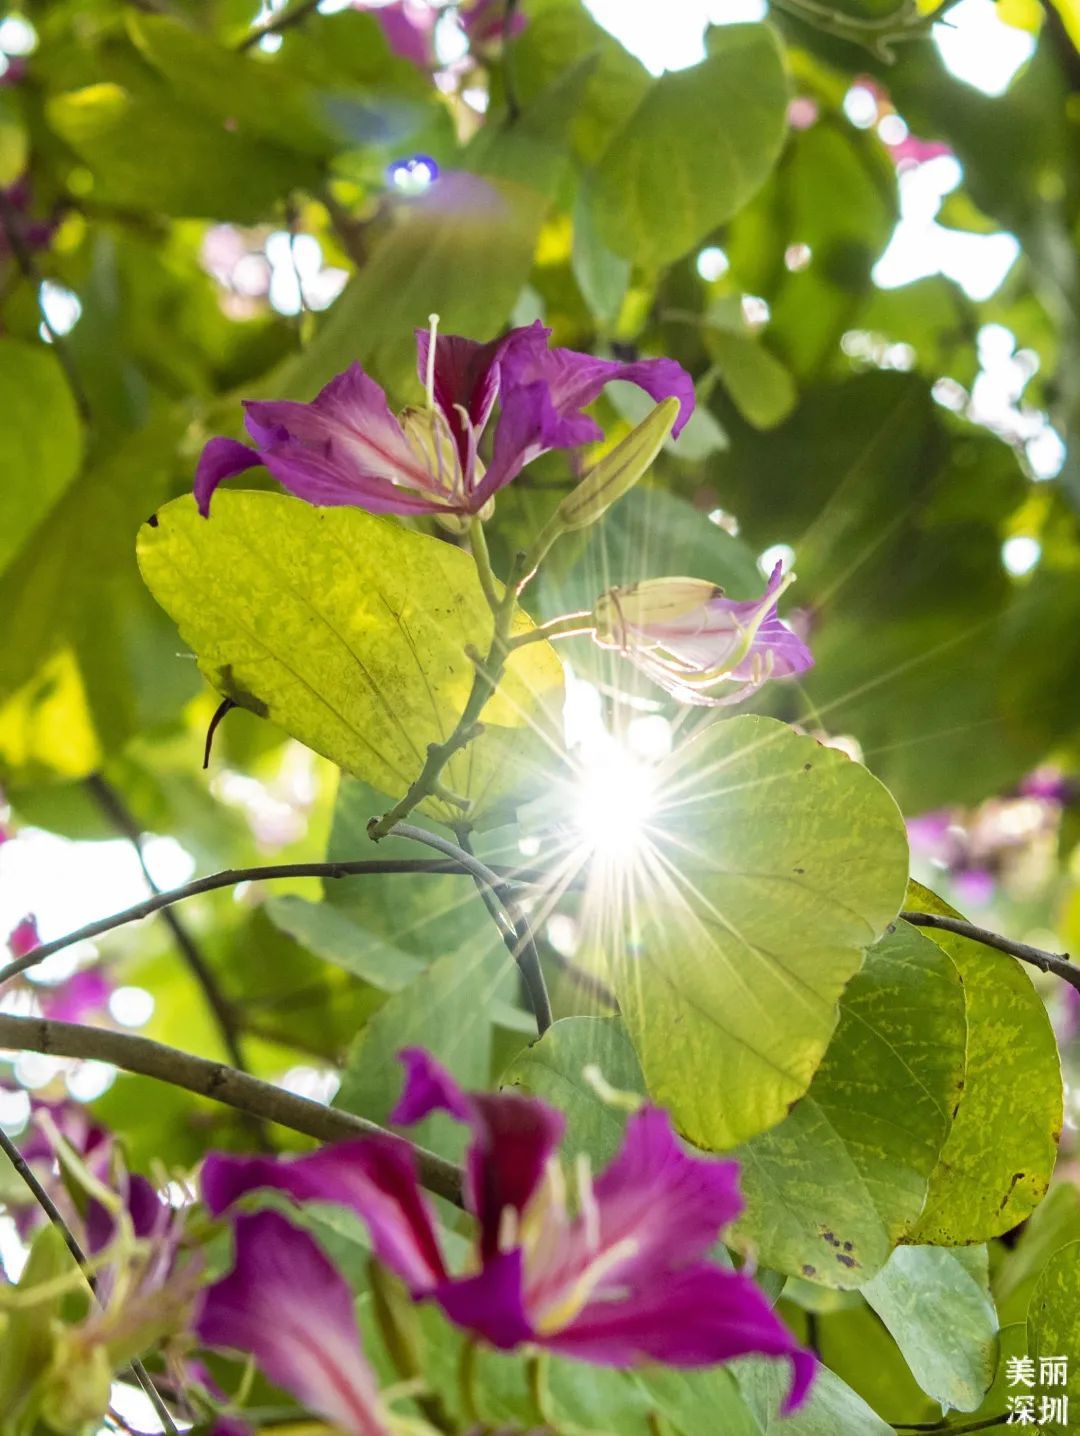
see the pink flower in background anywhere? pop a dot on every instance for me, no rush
(23, 938)
(913, 151)
(624, 1280)
(85, 994)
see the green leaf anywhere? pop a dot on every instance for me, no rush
(937, 1305)
(448, 1010)
(331, 934)
(150, 151)
(832, 1408)
(695, 150)
(779, 862)
(996, 1164)
(349, 632)
(40, 441)
(843, 1178)
(1053, 1328)
(762, 388)
(1054, 1223)
(553, 1069)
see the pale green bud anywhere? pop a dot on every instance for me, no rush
(618, 471)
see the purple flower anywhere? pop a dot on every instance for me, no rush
(409, 29)
(85, 994)
(346, 447)
(485, 23)
(1050, 785)
(686, 636)
(23, 937)
(623, 1280)
(285, 1304)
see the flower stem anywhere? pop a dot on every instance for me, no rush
(571, 625)
(489, 671)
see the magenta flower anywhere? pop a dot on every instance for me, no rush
(23, 937)
(285, 1304)
(485, 23)
(346, 447)
(687, 637)
(623, 1280)
(85, 994)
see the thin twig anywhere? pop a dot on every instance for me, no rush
(510, 90)
(1056, 962)
(115, 809)
(486, 678)
(512, 923)
(232, 877)
(986, 1424)
(11, 223)
(218, 1082)
(279, 24)
(52, 1211)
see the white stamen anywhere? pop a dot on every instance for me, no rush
(429, 384)
(587, 1203)
(509, 1229)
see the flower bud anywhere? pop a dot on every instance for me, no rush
(618, 471)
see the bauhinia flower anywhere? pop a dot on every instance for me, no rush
(619, 1278)
(285, 1304)
(347, 447)
(689, 638)
(24, 937)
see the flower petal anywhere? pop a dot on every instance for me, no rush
(466, 374)
(349, 422)
(373, 1176)
(696, 1317)
(220, 459)
(513, 1137)
(490, 1304)
(544, 391)
(286, 1305)
(672, 1205)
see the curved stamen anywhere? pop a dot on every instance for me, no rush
(429, 377)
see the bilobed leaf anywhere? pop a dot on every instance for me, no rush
(937, 1305)
(1053, 1329)
(349, 632)
(695, 150)
(779, 861)
(1053, 1224)
(40, 442)
(762, 388)
(997, 1161)
(843, 1178)
(553, 1069)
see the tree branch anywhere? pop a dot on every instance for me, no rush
(231, 877)
(1057, 963)
(52, 1211)
(279, 24)
(218, 1082)
(512, 923)
(115, 809)
(11, 224)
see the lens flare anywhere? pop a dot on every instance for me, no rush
(614, 802)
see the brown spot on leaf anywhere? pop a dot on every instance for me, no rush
(809, 1270)
(845, 1260)
(152, 521)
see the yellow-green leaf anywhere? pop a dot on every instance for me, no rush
(778, 862)
(349, 632)
(996, 1164)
